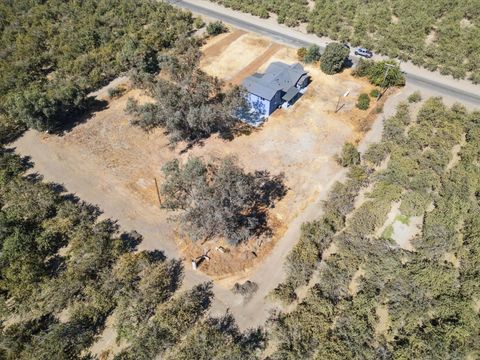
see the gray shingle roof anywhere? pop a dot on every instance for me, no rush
(290, 94)
(278, 76)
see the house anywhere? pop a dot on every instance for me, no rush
(281, 84)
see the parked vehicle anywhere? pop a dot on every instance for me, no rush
(363, 52)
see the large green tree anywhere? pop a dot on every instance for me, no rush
(219, 200)
(333, 58)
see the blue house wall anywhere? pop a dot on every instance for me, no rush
(260, 105)
(276, 102)
(263, 106)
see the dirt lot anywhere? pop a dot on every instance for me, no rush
(113, 157)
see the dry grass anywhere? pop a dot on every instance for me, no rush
(236, 53)
(255, 64)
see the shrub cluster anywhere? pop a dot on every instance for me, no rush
(216, 28)
(363, 102)
(312, 54)
(368, 274)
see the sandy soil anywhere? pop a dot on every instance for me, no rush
(255, 64)
(399, 231)
(217, 44)
(355, 281)
(228, 56)
(403, 234)
(383, 320)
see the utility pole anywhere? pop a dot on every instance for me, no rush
(389, 66)
(158, 193)
(338, 107)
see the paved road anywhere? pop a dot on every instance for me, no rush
(418, 77)
(242, 24)
(447, 90)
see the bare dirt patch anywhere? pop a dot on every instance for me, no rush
(355, 282)
(403, 233)
(255, 64)
(452, 259)
(229, 56)
(431, 37)
(383, 320)
(399, 228)
(215, 46)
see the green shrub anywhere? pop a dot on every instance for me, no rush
(363, 68)
(10, 129)
(393, 130)
(301, 262)
(312, 55)
(263, 13)
(414, 203)
(301, 53)
(285, 293)
(116, 92)
(374, 93)
(386, 74)
(339, 200)
(216, 28)
(415, 97)
(350, 155)
(386, 191)
(198, 23)
(358, 176)
(376, 153)
(368, 217)
(363, 102)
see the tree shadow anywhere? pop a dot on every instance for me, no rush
(243, 129)
(25, 162)
(93, 211)
(131, 240)
(348, 63)
(202, 294)
(71, 119)
(227, 134)
(200, 142)
(270, 189)
(176, 274)
(156, 255)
